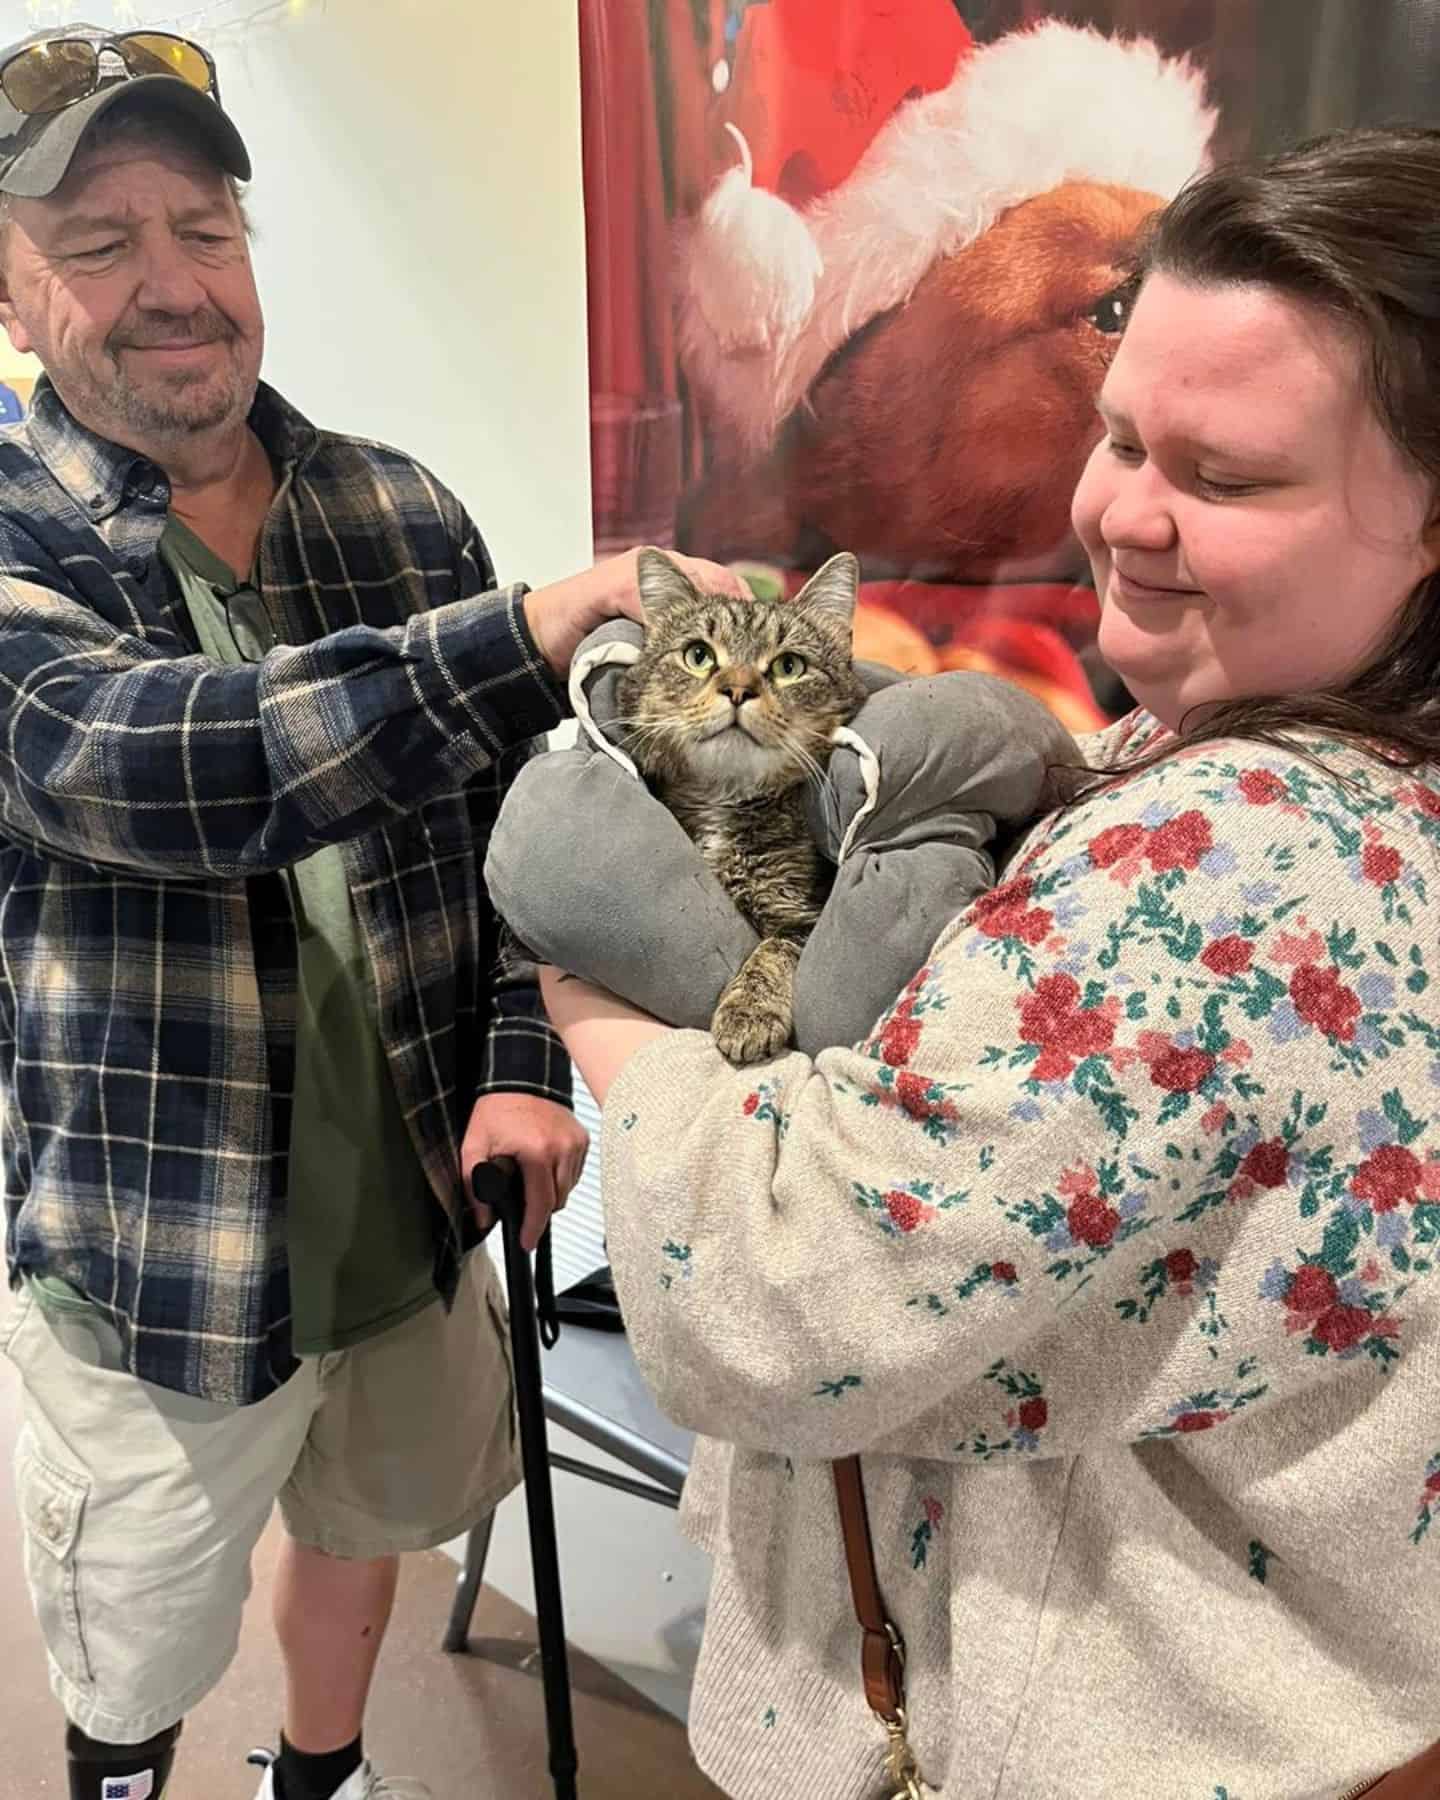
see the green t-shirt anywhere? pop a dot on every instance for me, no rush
(360, 1215)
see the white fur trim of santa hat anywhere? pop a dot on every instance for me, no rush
(767, 294)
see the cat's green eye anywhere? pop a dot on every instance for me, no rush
(787, 666)
(698, 657)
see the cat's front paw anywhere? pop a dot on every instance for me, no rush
(746, 1032)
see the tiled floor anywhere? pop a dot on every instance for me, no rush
(473, 1727)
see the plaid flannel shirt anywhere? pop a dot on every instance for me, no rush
(149, 799)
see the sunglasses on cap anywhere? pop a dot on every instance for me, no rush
(49, 76)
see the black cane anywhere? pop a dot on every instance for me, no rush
(499, 1186)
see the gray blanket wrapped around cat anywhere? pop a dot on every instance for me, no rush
(593, 873)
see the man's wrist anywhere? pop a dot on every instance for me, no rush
(521, 596)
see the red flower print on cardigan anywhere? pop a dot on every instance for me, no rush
(902, 1209)
(1425, 800)
(1115, 844)
(1311, 1289)
(1299, 946)
(1180, 843)
(1246, 1164)
(1267, 1165)
(1005, 912)
(1091, 1211)
(1390, 1174)
(1182, 1071)
(760, 1104)
(906, 1211)
(1229, 955)
(1322, 999)
(1180, 1273)
(1091, 1221)
(1024, 1421)
(1342, 1327)
(1429, 1499)
(1384, 867)
(897, 1037)
(1338, 1309)
(1262, 787)
(1381, 863)
(1063, 1030)
(1205, 1410)
(900, 1039)
(1266, 975)
(931, 1104)
(914, 1097)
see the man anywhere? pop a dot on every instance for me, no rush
(259, 702)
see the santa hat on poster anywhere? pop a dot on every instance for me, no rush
(769, 290)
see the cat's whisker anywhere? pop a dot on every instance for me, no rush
(814, 773)
(644, 730)
(796, 747)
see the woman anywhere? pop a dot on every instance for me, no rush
(1112, 1250)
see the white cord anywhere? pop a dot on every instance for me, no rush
(598, 658)
(869, 774)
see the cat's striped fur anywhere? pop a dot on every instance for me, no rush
(728, 713)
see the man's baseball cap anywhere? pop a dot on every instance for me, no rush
(55, 84)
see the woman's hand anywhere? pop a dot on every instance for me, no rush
(600, 1032)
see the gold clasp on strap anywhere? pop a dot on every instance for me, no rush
(900, 1764)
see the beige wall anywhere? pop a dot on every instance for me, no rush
(421, 248)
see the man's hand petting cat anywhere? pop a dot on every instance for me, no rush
(563, 615)
(546, 1141)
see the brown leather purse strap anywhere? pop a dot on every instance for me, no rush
(882, 1653)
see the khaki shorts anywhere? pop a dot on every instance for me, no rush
(141, 1507)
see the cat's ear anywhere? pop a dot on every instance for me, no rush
(662, 584)
(833, 589)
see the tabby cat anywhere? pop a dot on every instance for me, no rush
(728, 714)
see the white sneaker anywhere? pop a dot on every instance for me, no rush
(364, 1784)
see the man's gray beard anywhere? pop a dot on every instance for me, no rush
(186, 411)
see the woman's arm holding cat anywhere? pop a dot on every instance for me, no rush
(601, 1032)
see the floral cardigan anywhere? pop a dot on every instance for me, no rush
(1112, 1253)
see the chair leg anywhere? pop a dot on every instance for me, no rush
(467, 1585)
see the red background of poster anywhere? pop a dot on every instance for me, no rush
(940, 432)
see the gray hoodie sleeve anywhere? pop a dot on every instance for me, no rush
(594, 874)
